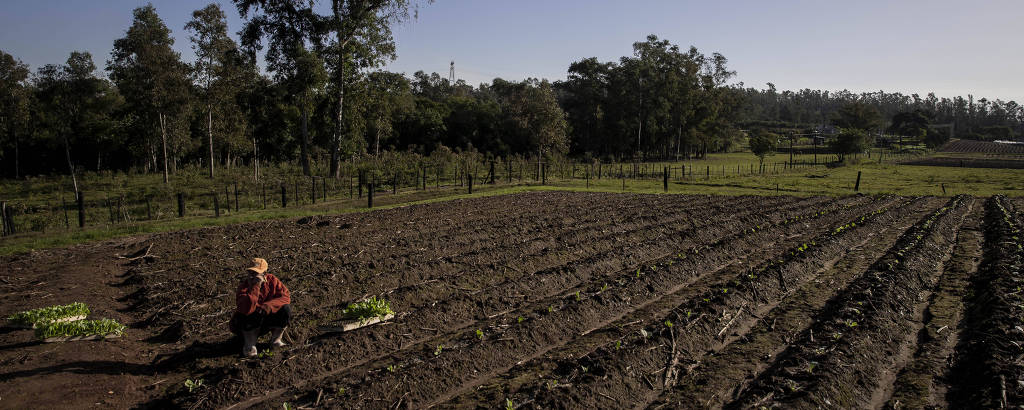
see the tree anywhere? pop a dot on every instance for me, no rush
(858, 115)
(912, 124)
(216, 68)
(151, 76)
(14, 100)
(75, 104)
(850, 141)
(763, 144)
(288, 27)
(357, 34)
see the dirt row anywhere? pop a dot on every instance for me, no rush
(554, 300)
(846, 357)
(649, 358)
(547, 322)
(463, 310)
(991, 346)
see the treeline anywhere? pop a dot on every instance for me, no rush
(969, 118)
(322, 100)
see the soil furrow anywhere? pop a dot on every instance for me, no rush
(542, 331)
(855, 341)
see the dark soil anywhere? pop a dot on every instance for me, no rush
(583, 300)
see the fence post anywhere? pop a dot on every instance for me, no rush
(312, 189)
(394, 184)
(362, 180)
(3, 217)
(81, 209)
(369, 195)
(216, 205)
(709, 172)
(263, 192)
(325, 188)
(544, 174)
(149, 209)
(856, 188)
(665, 178)
(492, 172)
(181, 205)
(943, 188)
(64, 206)
(284, 196)
(236, 196)
(469, 181)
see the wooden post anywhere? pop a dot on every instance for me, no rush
(216, 205)
(665, 179)
(64, 206)
(709, 172)
(544, 174)
(856, 187)
(492, 172)
(369, 195)
(81, 209)
(284, 196)
(149, 209)
(469, 182)
(3, 217)
(236, 196)
(362, 180)
(263, 191)
(297, 192)
(312, 189)
(943, 188)
(394, 184)
(324, 180)
(588, 178)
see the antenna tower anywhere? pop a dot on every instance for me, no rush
(451, 73)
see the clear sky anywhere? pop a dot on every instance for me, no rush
(951, 47)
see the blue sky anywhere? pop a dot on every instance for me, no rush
(951, 47)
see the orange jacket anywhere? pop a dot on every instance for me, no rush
(268, 296)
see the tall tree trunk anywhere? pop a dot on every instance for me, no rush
(255, 161)
(339, 126)
(163, 141)
(209, 132)
(304, 154)
(71, 166)
(376, 144)
(17, 158)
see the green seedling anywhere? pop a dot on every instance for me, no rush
(577, 296)
(265, 353)
(367, 309)
(668, 324)
(50, 314)
(509, 405)
(287, 406)
(480, 334)
(851, 324)
(618, 344)
(551, 308)
(520, 319)
(437, 352)
(836, 335)
(193, 385)
(391, 368)
(102, 327)
(604, 288)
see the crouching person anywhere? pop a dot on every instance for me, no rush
(263, 305)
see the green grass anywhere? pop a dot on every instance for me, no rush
(804, 181)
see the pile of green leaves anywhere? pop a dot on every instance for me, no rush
(100, 327)
(50, 314)
(367, 309)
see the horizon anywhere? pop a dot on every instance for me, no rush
(759, 40)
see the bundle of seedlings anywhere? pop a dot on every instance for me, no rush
(79, 330)
(365, 313)
(35, 318)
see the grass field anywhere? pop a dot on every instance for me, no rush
(730, 175)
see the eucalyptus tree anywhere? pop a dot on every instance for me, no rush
(151, 76)
(217, 69)
(14, 101)
(357, 35)
(74, 103)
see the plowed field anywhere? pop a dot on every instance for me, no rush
(554, 300)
